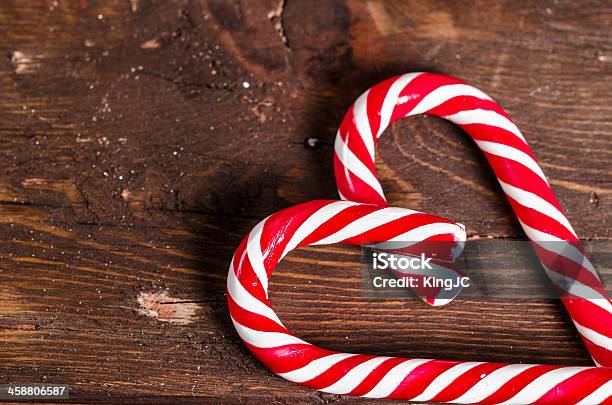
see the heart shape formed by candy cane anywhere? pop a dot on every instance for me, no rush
(353, 222)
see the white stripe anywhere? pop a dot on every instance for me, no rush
(444, 380)
(491, 383)
(243, 298)
(362, 122)
(365, 223)
(317, 219)
(421, 233)
(508, 152)
(440, 302)
(598, 396)
(392, 99)
(253, 249)
(353, 378)
(445, 93)
(356, 166)
(315, 368)
(534, 201)
(579, 289)
(265, 340)
(486, 117)
(593, 336)
(541, 385)
(559, 246)
(394, 378)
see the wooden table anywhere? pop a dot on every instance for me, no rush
(141, 141)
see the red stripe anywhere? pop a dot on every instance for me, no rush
(336, 372)
(517, 383)
(353, 188)
(287, 358)
(354, 140)
(588, 314)
(417, 89)
(252, 320)
(569, 268)
(375, 376)
(465, 103)
(519, 176)
(489, 132)
(288, 221)
(394, 228)
(603, 355)
(576, 388)
(376, 98)
(420, 378)
(541, 222)
(338, 222)
(246, 274)
(467, 380)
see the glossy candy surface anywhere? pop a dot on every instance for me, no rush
(367, 218)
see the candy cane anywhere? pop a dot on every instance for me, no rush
(517, 171)
(327, 222)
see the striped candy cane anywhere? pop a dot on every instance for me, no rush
(517, 171)
(327, 222)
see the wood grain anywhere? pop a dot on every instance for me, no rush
(142, 139)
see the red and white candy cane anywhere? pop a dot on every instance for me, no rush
(327, 222)
(517, 171)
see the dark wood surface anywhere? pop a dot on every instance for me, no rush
(134, 160)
